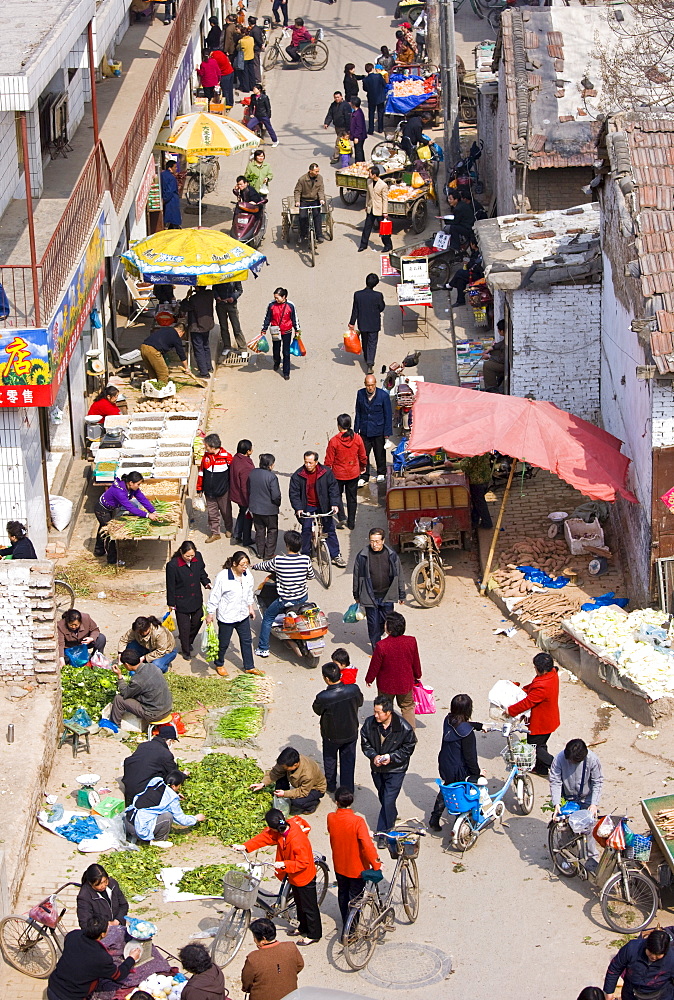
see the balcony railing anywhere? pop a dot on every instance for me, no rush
(67, 243)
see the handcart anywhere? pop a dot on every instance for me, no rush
(352, 181)
(290, 223)
(660, 860)
(441, 494)
(428, 77)
(410, 204)
(439, 261)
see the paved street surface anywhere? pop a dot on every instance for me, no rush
(494, 922)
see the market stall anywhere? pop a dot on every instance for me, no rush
(409, 189)
(158, 444)
(414, 88)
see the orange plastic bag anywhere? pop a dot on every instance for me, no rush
(352, 342)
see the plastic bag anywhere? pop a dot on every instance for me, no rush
(81, 718)
(168, 621)
(209, 643)
(385, 227)
(252, 345)
(99, 661)
(294, 348)
(352, 343)
(76, 656)
(581, 821)
(351, 614)
(46, 912)
(424, 700)
(198, 503)
(263, 345)
(297, 347)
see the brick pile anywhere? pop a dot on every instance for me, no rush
(28, 649)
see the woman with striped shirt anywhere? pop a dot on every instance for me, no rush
(292, 572)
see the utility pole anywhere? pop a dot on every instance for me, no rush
(433, 32)
(445, 46)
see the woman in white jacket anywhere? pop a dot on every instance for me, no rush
(231, 603)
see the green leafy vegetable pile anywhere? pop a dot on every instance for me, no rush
(241, 723)
(136, 871)
(204, 881)
(213, 692)
(218, 787)
(89, 688)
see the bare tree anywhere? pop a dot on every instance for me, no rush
(637, 68)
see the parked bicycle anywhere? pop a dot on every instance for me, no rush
(64, 596)
(473, 805)
(628, 896)
(313, 55)
(241, 889)
(32, 943)
(371, 914)
(320, 553)
(201, 178)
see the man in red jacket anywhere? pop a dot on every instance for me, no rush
(239, 471)
(213, 482)
(396, 666)
(543, 701)
(294, 859)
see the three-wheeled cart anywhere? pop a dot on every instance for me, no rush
(441, 494)
(290, 223)
(439, 261)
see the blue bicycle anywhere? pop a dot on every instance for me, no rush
(472, 804)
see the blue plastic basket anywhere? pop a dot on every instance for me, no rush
(460, 797)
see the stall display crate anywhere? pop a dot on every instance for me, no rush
(469, 362)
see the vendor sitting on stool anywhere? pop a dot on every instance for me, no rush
(156, 809)
(78, 629)
(296, 778)
(460, 226)
(472, 270)
(146, 695)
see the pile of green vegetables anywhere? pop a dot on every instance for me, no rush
(205, 880)
(136, 871)
(218, 787)
(89, 688)
(211, 692)
(241, 723)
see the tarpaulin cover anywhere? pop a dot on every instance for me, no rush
(465, 422)
(401, 105)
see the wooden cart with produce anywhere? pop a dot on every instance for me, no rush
(439, 261)
(441, 494)
(409, 203)
(168, 498)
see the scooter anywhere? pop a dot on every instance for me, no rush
(428, 576)
(259, 129)
(249, 222)
(302, 627)
(466, 171)
(481, 300)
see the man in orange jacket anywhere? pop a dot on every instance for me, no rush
(352, 850)
(294, 859)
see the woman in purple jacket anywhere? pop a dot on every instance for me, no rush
(124, 494)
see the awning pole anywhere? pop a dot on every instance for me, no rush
(497, 528)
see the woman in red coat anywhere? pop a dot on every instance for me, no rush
(346, 456)
(396, 666)
(543, 700)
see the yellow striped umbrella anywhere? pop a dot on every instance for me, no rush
(203, 134)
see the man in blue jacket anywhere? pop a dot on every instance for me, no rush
(647, 965)
(374, 423)
(375, 88)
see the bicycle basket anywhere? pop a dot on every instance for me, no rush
(641, 845)
(239, 889)
(409, 847)
(459, 797)
(45, 912)
(522, 756)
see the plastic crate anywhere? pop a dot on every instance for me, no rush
(579, 533)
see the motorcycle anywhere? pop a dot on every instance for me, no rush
(249, 222)
(481, 300)
(259, 129)
(428, 575)
(201, 178)
(466, 171)
(301, 627)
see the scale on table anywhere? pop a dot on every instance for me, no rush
(87, 796)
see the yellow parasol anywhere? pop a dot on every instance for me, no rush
(202, 134)
(191, 257)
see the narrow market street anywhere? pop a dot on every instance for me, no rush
(494, 920)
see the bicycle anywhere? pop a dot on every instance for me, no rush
(629, 898)
(472, 804)
(313, 55)
(33, 943)
(241, 890)
(371, 915)
(320, 553)
(64, 596)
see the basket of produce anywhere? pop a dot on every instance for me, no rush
(522, 755)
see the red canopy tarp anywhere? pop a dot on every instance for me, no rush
(465, 422)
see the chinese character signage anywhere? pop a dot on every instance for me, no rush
(668, 500)
(33, 361)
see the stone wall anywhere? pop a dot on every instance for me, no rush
(28, 649)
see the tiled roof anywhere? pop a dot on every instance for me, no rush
(644, 172)
(550, 68)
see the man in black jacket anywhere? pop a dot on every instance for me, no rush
(257, 33)
(314, 490)
(412, 132)
(84, 962)
(377, 583)
(339, 116)
(227, 296)
(200, 323)
(264, 501)
(338, 707)
(366, 313)
(461, 226)
(152, 759)
(388, 742)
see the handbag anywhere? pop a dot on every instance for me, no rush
(385, 227)
(424, 700)
(238, 59)
(352, 343)
(275, 332)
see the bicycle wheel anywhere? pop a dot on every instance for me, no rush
(629, 901)
(323, 565)
(271, 57)
(191, 192)
(322, 873)
(230, 936)
(409, 887)
(524, 788)
(384, 151)
(428, 583)
(315, 56)
(561, 838)
(477, 9)
(349, 195)
(419, 215)
(312, 246)
(466, 836)
(26, 947)
(360, 934)
(64, 596)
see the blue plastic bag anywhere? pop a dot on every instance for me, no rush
(351, 614)
(605, 599)
(76, 656)
(81, 718)
(541, 579)
(79, 828)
